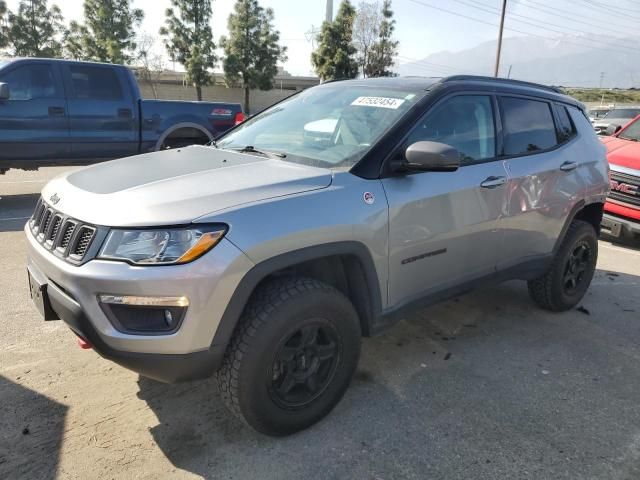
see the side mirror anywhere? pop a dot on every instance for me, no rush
(431, 157)
(4, 91)
(612, 129)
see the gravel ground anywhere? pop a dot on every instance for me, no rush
(486, 386)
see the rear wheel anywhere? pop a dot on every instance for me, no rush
(183, 137)
(571, 271)
(292, 356)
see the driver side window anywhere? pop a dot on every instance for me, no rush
(30, 82)
(464, 122)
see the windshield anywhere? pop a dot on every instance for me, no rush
(327, 126)
(632, 132)
(623, 113)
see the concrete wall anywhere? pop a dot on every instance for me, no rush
(174, 88)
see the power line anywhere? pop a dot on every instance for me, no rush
(541, 8)
(418, 2)
(611, 11)
(561, 32)
(554, 12)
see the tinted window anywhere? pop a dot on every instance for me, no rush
(464, 122)
(565, 127)
(95, 83)
(30, 82)
(528, 125)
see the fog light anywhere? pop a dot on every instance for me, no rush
(168, 318)
(144, 315)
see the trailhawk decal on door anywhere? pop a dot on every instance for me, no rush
(424, 255)
(379, 102)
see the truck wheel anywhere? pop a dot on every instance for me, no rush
(291, 357)
(571, 270)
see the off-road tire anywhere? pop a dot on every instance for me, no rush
(549, 290)
(277, 309)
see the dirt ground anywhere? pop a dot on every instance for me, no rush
(486, 386)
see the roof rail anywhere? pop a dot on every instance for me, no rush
(508, 81)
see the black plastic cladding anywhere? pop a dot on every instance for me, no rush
(65, 237)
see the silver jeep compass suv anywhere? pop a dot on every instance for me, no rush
(265, 257)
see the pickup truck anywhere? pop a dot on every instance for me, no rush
(60, 112)
(622, 210)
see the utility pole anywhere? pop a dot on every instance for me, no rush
(504, 11)
(329, 12)
(601, 79)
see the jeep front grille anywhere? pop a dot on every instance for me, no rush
(63, 236)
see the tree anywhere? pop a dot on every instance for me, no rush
(150, 63)
(189, 40)
(108, 32)
(252, 50)
(334, 57)
(365, 33)
(36, 30)
(4, 27)
(386, 48)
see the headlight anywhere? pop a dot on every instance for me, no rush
(161, 246)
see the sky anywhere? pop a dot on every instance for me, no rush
(423, 27)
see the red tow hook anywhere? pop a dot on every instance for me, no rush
(84, 344)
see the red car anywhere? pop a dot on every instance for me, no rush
(622, 209)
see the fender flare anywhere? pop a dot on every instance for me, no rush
(178, 126)
(262, 270)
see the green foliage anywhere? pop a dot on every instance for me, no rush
(36, 30)
(108, 32)
(335, 56)
(4, 28)
(384, 51)
(189, 40)
(607, 97)
(252, 49)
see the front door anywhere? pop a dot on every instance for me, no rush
(103, 116)
(444, 226)
(34, 121)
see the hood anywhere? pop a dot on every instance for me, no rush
(177, 186)
(622, 152)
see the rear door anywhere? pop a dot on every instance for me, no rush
(103, 117)
(444, 226)
(544, 160)
(34, 121)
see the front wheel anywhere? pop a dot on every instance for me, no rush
(292, 356)
(571, 270)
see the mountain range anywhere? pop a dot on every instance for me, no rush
(572, 60)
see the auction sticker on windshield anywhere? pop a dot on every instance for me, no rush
(380, 102)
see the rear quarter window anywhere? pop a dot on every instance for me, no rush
(566, 128)
(527, 125)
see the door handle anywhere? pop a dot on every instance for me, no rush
(493, 182)
(568, 166)
(56, 111)
(125, 113)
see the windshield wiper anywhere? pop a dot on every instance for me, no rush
(627, 138)
(252, 149)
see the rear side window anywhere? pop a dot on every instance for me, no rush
(527, 125)
(464, 122)
(95, 83)
(30, 82)
(566, 129)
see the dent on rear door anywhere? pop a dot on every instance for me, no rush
(541, 196)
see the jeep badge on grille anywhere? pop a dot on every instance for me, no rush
(54, 199)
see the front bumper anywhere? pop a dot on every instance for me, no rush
(188, 353)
